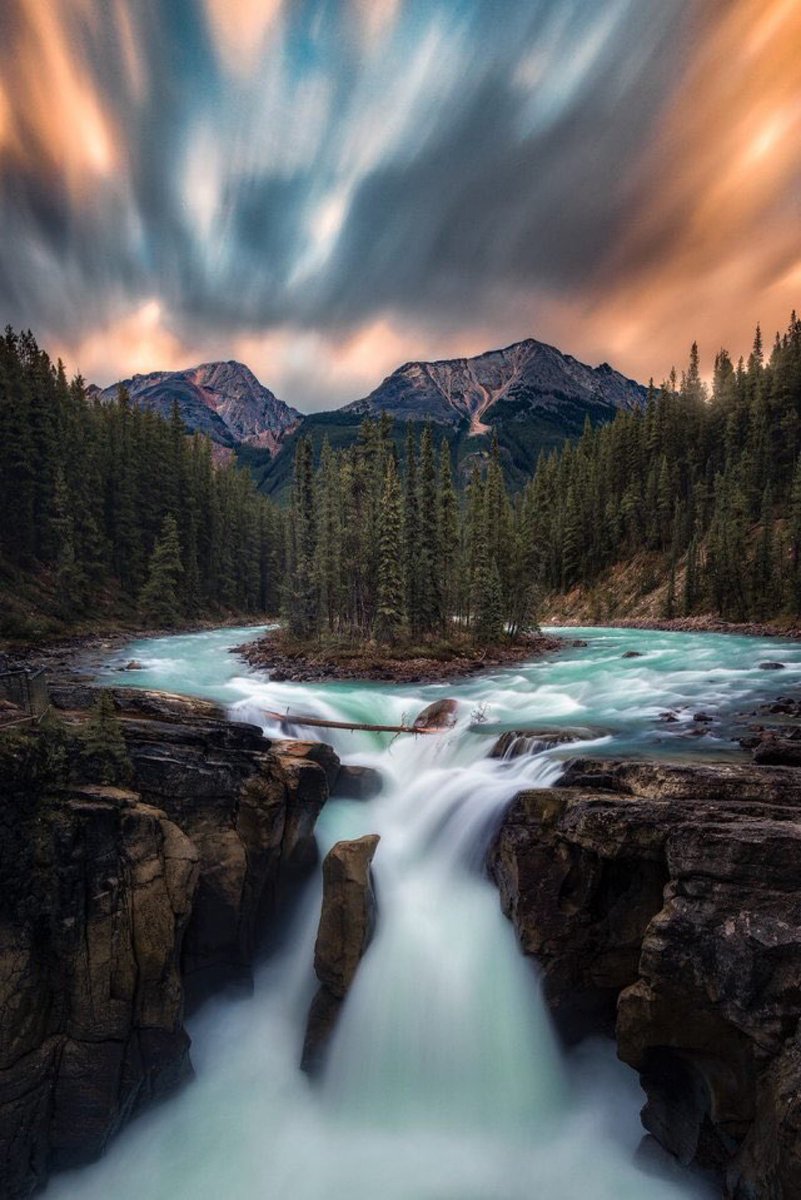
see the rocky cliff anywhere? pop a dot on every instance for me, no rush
(116, 903)
(664, 903)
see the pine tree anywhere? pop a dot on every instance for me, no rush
(448, 535)
(429, 552)
(390, 609)
(411, 534)
(159, 600)
(489, 609)
(70, 580)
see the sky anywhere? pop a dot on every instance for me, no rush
(325, 189)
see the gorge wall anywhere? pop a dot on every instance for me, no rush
(118, 903)
(663, 904)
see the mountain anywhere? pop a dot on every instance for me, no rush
(527, 375)
(221, 399)
(530, 394)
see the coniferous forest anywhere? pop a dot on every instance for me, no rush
(116, 511)
(389, 550)
(705, 484)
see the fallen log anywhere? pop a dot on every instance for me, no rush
(323, 723)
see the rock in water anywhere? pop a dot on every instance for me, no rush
(358, 783)
(346, 925)
(515, 743)
(439, 715)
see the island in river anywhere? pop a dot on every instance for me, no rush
(317, 660)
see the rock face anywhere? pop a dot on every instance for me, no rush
(143, 899)
(91, 1000)
(346, 926)
(663, 902)
(221, 399)
(358, 783)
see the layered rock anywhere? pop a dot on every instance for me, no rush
(663, 902)
(346, 925)
(121, 903)
(91, 999)
(248, 804)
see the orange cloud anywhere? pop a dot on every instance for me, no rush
(57, 114)
(136, 343)
(719, 200)
(240, 29)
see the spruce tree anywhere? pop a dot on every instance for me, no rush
(159, 600)
(390, 608)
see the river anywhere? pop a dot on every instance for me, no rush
(445, 1081)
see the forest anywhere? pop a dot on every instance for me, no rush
(705, 483)
(115, 510)
(111, 510)
(389, 550)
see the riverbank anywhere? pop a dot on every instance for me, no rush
(318, 662)
(85, 653)
(707, 623)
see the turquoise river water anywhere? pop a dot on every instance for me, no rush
(444, 1081)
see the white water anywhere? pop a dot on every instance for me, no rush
(444, 1081)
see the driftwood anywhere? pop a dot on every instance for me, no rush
(435, 718)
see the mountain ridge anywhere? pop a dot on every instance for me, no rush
(531, 394)
(461, 388)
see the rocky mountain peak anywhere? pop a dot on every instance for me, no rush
(223, 400)
(533, 373)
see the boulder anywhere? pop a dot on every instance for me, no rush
(439, 715)
(778, 752)
(358, 783)
(632, 654)
(771, 666)
(517, 742)
(662, 902)
(346, 925)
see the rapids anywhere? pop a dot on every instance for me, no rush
(444, 1081)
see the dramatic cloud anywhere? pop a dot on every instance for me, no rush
(329, 189)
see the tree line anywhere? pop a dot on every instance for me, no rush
(381, 546)
(119, 508)
(699, 491)
(704, 483)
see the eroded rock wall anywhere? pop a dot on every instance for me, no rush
(664, 903)
(122, 902)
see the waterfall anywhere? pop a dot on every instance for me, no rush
(444, 1080)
